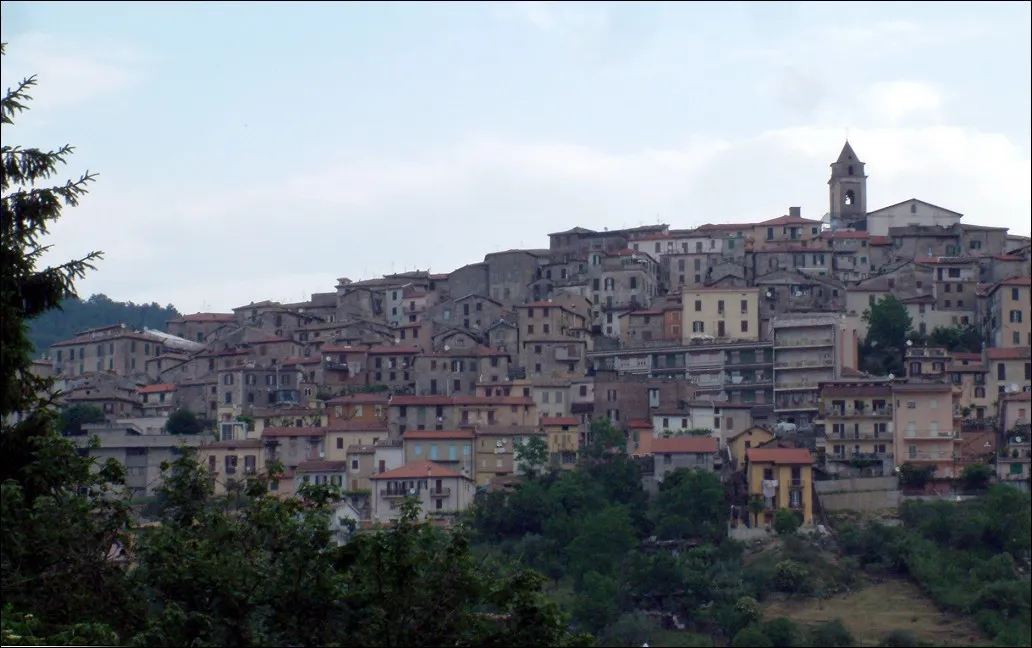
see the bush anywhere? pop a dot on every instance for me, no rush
(751, 637)
(786, 522)
(832, 634)
(899, 639)
(782, 632)
(789, 576)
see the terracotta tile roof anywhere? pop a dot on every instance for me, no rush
(685, 444)
(467, 401)
(272, 339)
(274, 432)
(206, 318)
(333, 348)
(831, 391)
(420, 435)
(301, 361)
(322, 466)
(286, 411)
(419, 470)
(1008, 353)
(655, 311)
(1012, 282)
(881, 240)
(156, 389)
(624, 252)
(560, 420)
(781, 456)
(356, 426)
(233, 444)
(640, 424)
(976, 357)
(790, 220)
(376, 398)
(394, 350)
(845, 235)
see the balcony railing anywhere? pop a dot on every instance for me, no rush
(864, 435)
(804, 342)
(394, 494)
(928, 456)
(848, 412)
(795, 483)
(804, 364)
(849, 456)
(440, 492)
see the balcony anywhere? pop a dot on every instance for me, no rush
(797, 384)
(850, 456)
(438, 493)
(391, 494)
(334, 365)
(848, 412)
(804, 364)
(866, 435)
(747, 381)
(928, 456)
(807, 342)
(796, 483)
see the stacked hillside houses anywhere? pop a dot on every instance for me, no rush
(425, 385)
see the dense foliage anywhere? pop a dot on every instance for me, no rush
(74, 315)
(971, 558)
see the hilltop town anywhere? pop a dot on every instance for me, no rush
(734, 348)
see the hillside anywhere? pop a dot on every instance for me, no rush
(99, 310)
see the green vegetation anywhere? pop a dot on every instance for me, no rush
(183, 421)
(74, 417)
(74, 315)
(883, 350)
(971, 558)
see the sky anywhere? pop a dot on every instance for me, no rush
(249, 151)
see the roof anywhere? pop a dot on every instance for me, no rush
(790, 220)
(357, 426)
(205, 318)
(374, 398)
(431, 401)
(883, 390)
(749, 430)
(394, 350)
(1008, 353)
(322, 466)
(561, 420)
(301, 361)
(232, 444)
(782, 456)
(640, 424)
(419, 470)
(1011, 282)
(685, 444)
(847, 155)
(429, 435)
(156, 389)
(274, 432)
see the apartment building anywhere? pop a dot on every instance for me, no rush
(496, 452)
(722, 313)
(1007, 318)
(1014, 460)
(808, 349)
(446, 412)
(685, 452)
(925, 419)
(857, 422)
(564, 435)
(969, 373)
(200, 327)
(1010, 370)
(231, 462)
(452, 449)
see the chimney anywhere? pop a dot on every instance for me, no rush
(795, 212)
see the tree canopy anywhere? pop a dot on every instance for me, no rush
(883, 350)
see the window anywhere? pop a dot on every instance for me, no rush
(698, 305)
(745, 306)
(745, 326)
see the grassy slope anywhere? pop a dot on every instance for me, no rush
(876, 610)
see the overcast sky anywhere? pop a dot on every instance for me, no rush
(252, 151)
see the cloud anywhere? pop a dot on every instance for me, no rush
(360, 218)
(896, 101)
(69, 73)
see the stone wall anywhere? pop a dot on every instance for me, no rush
(858, 493)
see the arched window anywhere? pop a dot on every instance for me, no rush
(850, 198)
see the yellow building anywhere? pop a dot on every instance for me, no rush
(784, 478)
(1008, 311)
(724, 313)
(743, 440)
(563, 435)
(343, 434)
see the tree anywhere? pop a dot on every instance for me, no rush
(690, 505)
(976, 477)
(59, 516)
(533, 455)
(183, 421)
(888, 323)
(786, 522)
(74, 417)
(604, 438)
(757, 505)
(956, 339)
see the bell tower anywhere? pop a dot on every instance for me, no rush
(847, 191)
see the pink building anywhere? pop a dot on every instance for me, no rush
(925, 422)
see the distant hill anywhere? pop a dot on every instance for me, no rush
(99, 310)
